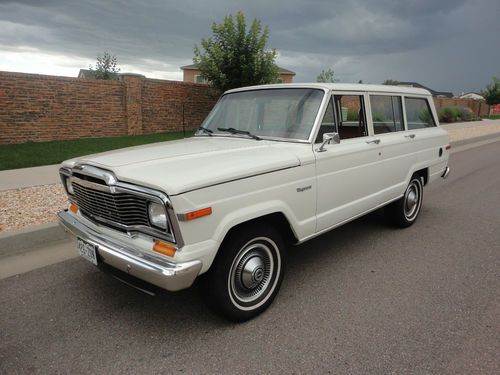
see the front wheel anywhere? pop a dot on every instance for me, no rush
(404, 211)
(246, 274)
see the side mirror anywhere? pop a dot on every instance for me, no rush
(329, 138)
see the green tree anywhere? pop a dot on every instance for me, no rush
(392, 82)
(492, 92)
(235, 55)
(326, 76)
(106, 67)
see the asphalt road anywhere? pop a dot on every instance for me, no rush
(364, 298)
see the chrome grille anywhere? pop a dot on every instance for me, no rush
(121, 208)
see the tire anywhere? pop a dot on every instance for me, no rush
(246, 274)
(404, 211)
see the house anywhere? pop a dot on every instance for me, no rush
(472, 95)
(438, 94)
(193, 74)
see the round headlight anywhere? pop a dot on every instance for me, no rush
(69, 187)
(157, 215)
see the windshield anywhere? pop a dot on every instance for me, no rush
(275, 113)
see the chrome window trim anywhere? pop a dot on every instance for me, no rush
(114, 186)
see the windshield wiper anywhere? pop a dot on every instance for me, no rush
(205, 130)
(237, 131)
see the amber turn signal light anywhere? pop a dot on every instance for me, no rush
(73, 208)
(196, 214)
(164, 248)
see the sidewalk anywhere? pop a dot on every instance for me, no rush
(27, 177)
(466, 130)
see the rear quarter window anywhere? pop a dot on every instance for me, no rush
(418, 113)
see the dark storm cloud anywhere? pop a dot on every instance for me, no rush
(437, 42)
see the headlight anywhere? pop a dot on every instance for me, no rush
(69, 187)
(157, 215)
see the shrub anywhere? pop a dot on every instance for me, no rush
(466, 114)
(454, 114)
(353, 116)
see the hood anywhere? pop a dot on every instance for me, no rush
(179, 166)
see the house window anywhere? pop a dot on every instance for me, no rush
(200, 79)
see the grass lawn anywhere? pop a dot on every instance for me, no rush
(44, 153)
(493, 117)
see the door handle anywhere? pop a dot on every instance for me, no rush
(376, 141)
(410, 136)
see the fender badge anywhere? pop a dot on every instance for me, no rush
(301, 189)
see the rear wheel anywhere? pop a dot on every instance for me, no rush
(404, 211)
(246, 274)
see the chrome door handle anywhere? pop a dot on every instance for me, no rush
(376, 141)
(410, 136)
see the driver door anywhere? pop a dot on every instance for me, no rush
(348, 173)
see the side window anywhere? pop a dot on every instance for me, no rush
(328, 123)
(418, 113)
(386, 114)
(351, 115)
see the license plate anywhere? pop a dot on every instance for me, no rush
(87, 250)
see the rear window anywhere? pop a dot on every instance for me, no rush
(418, 113)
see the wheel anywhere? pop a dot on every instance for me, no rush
(404, 211)
(246, 274)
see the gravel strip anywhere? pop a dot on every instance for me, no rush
(20, 208)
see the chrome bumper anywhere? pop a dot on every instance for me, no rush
(160, 272)
(445, 173)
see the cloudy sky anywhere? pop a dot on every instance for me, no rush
(449, 45)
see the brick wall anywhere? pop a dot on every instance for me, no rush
(36, 108)
(479, 107)
(166, 106)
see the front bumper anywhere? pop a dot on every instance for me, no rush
(153, 269)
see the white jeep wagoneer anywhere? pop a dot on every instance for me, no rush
(271, 165)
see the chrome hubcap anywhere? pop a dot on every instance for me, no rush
(412, 198)
(252, 272)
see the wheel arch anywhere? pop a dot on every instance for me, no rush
(277, 219)
(424, 173)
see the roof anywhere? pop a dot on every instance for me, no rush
(433, 92)
(343, 87)
(281, 70)
(472, 93)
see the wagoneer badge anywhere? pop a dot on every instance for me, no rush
(301, 189)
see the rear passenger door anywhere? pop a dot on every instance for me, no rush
(398, 151)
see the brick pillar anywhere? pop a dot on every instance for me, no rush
(133, 102)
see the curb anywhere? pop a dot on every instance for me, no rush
(23, 240)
